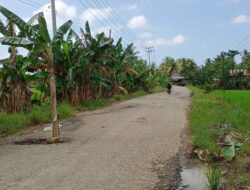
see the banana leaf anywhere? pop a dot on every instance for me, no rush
(16, 41)
(229, 150)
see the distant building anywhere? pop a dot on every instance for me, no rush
(239, 72)
(177, 79)
(240, 78)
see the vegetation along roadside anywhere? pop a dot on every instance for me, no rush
(220, 134)
(13, 123)
(66, 70)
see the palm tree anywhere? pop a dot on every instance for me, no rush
(168, 66)
(188, 68)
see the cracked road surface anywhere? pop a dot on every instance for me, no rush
(114, 148)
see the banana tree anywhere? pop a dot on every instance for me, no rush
(97, 52)
(36, 39)
(14, 75)
(13, 92)
(123, 61)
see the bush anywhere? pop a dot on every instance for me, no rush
(65, 110)
(36, 96)
(208, 88)
(39, 114)
(12, 123)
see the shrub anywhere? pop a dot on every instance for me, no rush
(39, 114)
(208, 88)
(65, 110)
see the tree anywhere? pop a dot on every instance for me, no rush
(36, 39)
(168, 66)
(188, 68)
(13, 88)
(245, 62)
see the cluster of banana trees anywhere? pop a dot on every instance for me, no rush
(68, 67)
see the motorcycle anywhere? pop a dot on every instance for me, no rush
(169, 90)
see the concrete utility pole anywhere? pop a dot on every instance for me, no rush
(53, 12)
(149, 50)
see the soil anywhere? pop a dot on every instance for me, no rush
(29, 141)
(129, 145)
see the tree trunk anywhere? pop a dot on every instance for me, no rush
(55, 122)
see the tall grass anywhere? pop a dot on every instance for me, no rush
(213, 178)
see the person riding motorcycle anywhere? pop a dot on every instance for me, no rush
(169, 87)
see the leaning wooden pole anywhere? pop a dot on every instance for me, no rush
(52, 78)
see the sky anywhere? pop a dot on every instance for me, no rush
(197, 29)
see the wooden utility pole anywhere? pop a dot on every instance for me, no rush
(52, 75)
(53, 12)
(149, 50)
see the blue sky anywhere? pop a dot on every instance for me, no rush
(197, 29)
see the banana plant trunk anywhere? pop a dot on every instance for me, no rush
(55, 121)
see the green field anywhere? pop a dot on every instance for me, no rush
(241, 98)
(209, 111)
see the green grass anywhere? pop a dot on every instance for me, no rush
(209, 110)
(13, 123)
(240, 98)
(213, 178)
(238, 175)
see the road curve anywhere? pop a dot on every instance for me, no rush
(114, 148)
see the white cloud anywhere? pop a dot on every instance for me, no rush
(132, 7)
(5, 54)
(146, 35)
(138, 22)
(241, 19)
(177, 40)
(92, 15)
(65, 13)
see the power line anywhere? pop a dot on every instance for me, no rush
(40, 6)
(242, 41)
(105, 11)
(105, 22)
(91, 10)
(61, 16)
(242, 47)
(33, 4)
(120, 20)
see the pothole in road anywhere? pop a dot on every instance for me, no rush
(41, 141)
(128, 107)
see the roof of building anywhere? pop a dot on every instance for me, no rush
(177, 76)
(235, 72)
